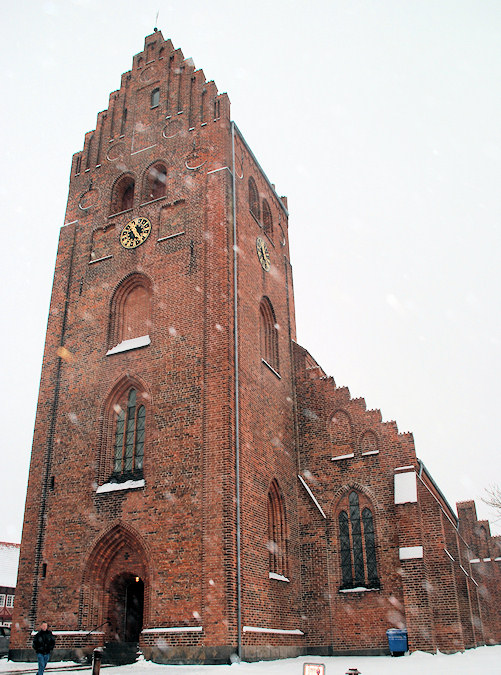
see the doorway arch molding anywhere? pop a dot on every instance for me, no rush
(118, 550)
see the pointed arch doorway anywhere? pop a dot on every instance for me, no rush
(115, 586)
(126, 596)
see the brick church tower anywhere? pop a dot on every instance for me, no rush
(165, 425)
(198, 484)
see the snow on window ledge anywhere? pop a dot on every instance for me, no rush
(74, 632)
(174, 629)
(349, 456)
(370, 452)
(133, 343)
(278, 577)
(127, 485)
(358, 589)
(278, 631)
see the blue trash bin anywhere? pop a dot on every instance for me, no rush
(397, 641)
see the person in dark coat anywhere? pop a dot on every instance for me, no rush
(43, 644)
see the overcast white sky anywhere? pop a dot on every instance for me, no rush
(380, 121)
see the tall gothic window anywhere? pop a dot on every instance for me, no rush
(277, 532)
(129, 439)
(253, 198)
(357, 546)
(269, 334)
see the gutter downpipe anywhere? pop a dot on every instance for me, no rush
(237, 400)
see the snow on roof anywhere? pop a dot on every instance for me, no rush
(9, 561)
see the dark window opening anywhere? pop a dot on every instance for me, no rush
(127, 198)
(129, 440)
(123, 195)
(357, 547)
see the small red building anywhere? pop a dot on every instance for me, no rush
(9, 561)
(198, 484)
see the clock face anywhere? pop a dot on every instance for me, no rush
(135, 232)
(263, 254)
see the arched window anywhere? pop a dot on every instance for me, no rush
(340, 431)
(129, 439)
(267, 219)
(130, 315)
(253, 198)
(368, 443)
(122, 438)
(357, 546)
(269, 334)
(277, 532)
(155, 98)
(123, 195)
(155, 182)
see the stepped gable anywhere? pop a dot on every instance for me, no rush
(477, 533)
(163, 95)
(342, 425)
(482, 553)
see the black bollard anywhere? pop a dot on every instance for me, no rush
(97, 655)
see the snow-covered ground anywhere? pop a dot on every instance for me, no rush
(472, 662)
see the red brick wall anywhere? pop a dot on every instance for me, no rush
(184, 515)
(177, 532)
(356, 620)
